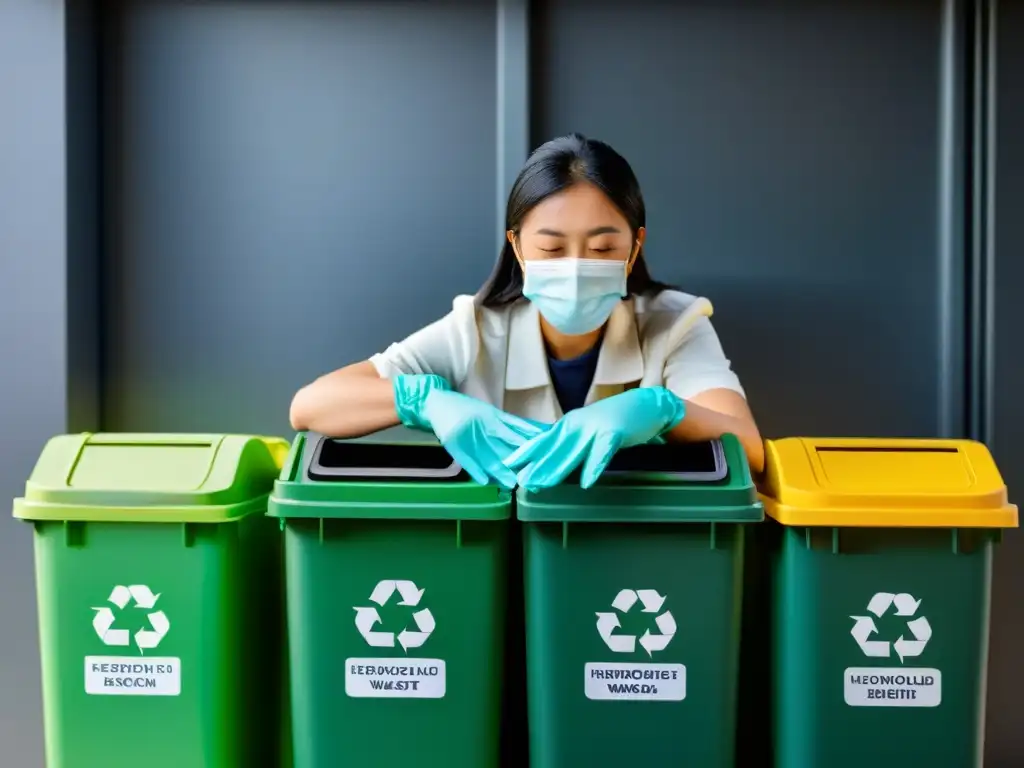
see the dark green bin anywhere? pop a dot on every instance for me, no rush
(396, 584)
(657, 545)
(881, 568)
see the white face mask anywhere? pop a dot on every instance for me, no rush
(575, 295)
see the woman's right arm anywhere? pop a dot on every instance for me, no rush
(359, 399)
(349, 402)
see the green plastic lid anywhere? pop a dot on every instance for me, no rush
(705, 482)
(395, 474)
(151, 478)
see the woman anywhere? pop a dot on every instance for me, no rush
(568, 353)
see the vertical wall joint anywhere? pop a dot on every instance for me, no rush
(513, 89)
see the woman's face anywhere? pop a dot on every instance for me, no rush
(578, 222)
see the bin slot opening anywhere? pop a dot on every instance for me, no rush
(349, 460)
(894, 469)
(137, 444)
(693, 462)
(892, 449)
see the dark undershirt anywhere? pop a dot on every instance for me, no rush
(572, 378)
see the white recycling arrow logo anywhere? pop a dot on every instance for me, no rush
(144, 598)
(864, 627)
(367, 618)
(651, 601)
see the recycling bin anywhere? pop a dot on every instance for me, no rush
(633, 595)
(159, 592)
(882, 565)
(395, 563)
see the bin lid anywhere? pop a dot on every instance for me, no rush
(884, 483)
(396, 474)
(697, 482)
(151, 478)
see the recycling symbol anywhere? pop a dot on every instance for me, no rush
(651, 601)
(920, 631)
(367, 618)
(144, 598)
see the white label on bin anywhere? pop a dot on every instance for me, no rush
(614, 681)
(132, 676)
(395, 678)
(892, 687)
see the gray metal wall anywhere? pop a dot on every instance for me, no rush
(801, 161)
(1003, 369)
(33, 332)
(258, 192)
(290, 187)
(268, 188)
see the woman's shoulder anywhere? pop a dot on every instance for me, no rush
(667, 300)
(468, 313)
(667, 319)
(492, 320)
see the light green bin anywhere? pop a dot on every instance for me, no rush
(159, 592)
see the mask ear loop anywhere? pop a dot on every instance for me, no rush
(628, 265)
(514, 242)
(633, 256)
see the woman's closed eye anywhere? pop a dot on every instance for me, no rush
(559, 249)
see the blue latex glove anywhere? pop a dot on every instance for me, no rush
(593, 434)
(477, 435)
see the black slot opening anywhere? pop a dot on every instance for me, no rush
(702, 462)
(341, 459)
(671, 458)
(883, 449)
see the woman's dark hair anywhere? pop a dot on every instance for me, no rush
(555, 166)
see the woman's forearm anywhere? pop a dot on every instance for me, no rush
(703, 423)
(349, 402)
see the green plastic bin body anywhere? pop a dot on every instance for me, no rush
(159, 594)
(396, 605)
(880, 558)
(836, 707)
(633, 596)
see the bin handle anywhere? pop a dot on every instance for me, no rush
(279, 448)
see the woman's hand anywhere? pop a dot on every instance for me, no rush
(477, 435)
(593, 434)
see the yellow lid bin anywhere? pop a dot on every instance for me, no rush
(884, 483)
(879, 575)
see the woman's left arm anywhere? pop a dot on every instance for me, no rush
(700, 373)
(715, 412)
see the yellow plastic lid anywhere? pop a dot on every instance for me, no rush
(884, 483)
